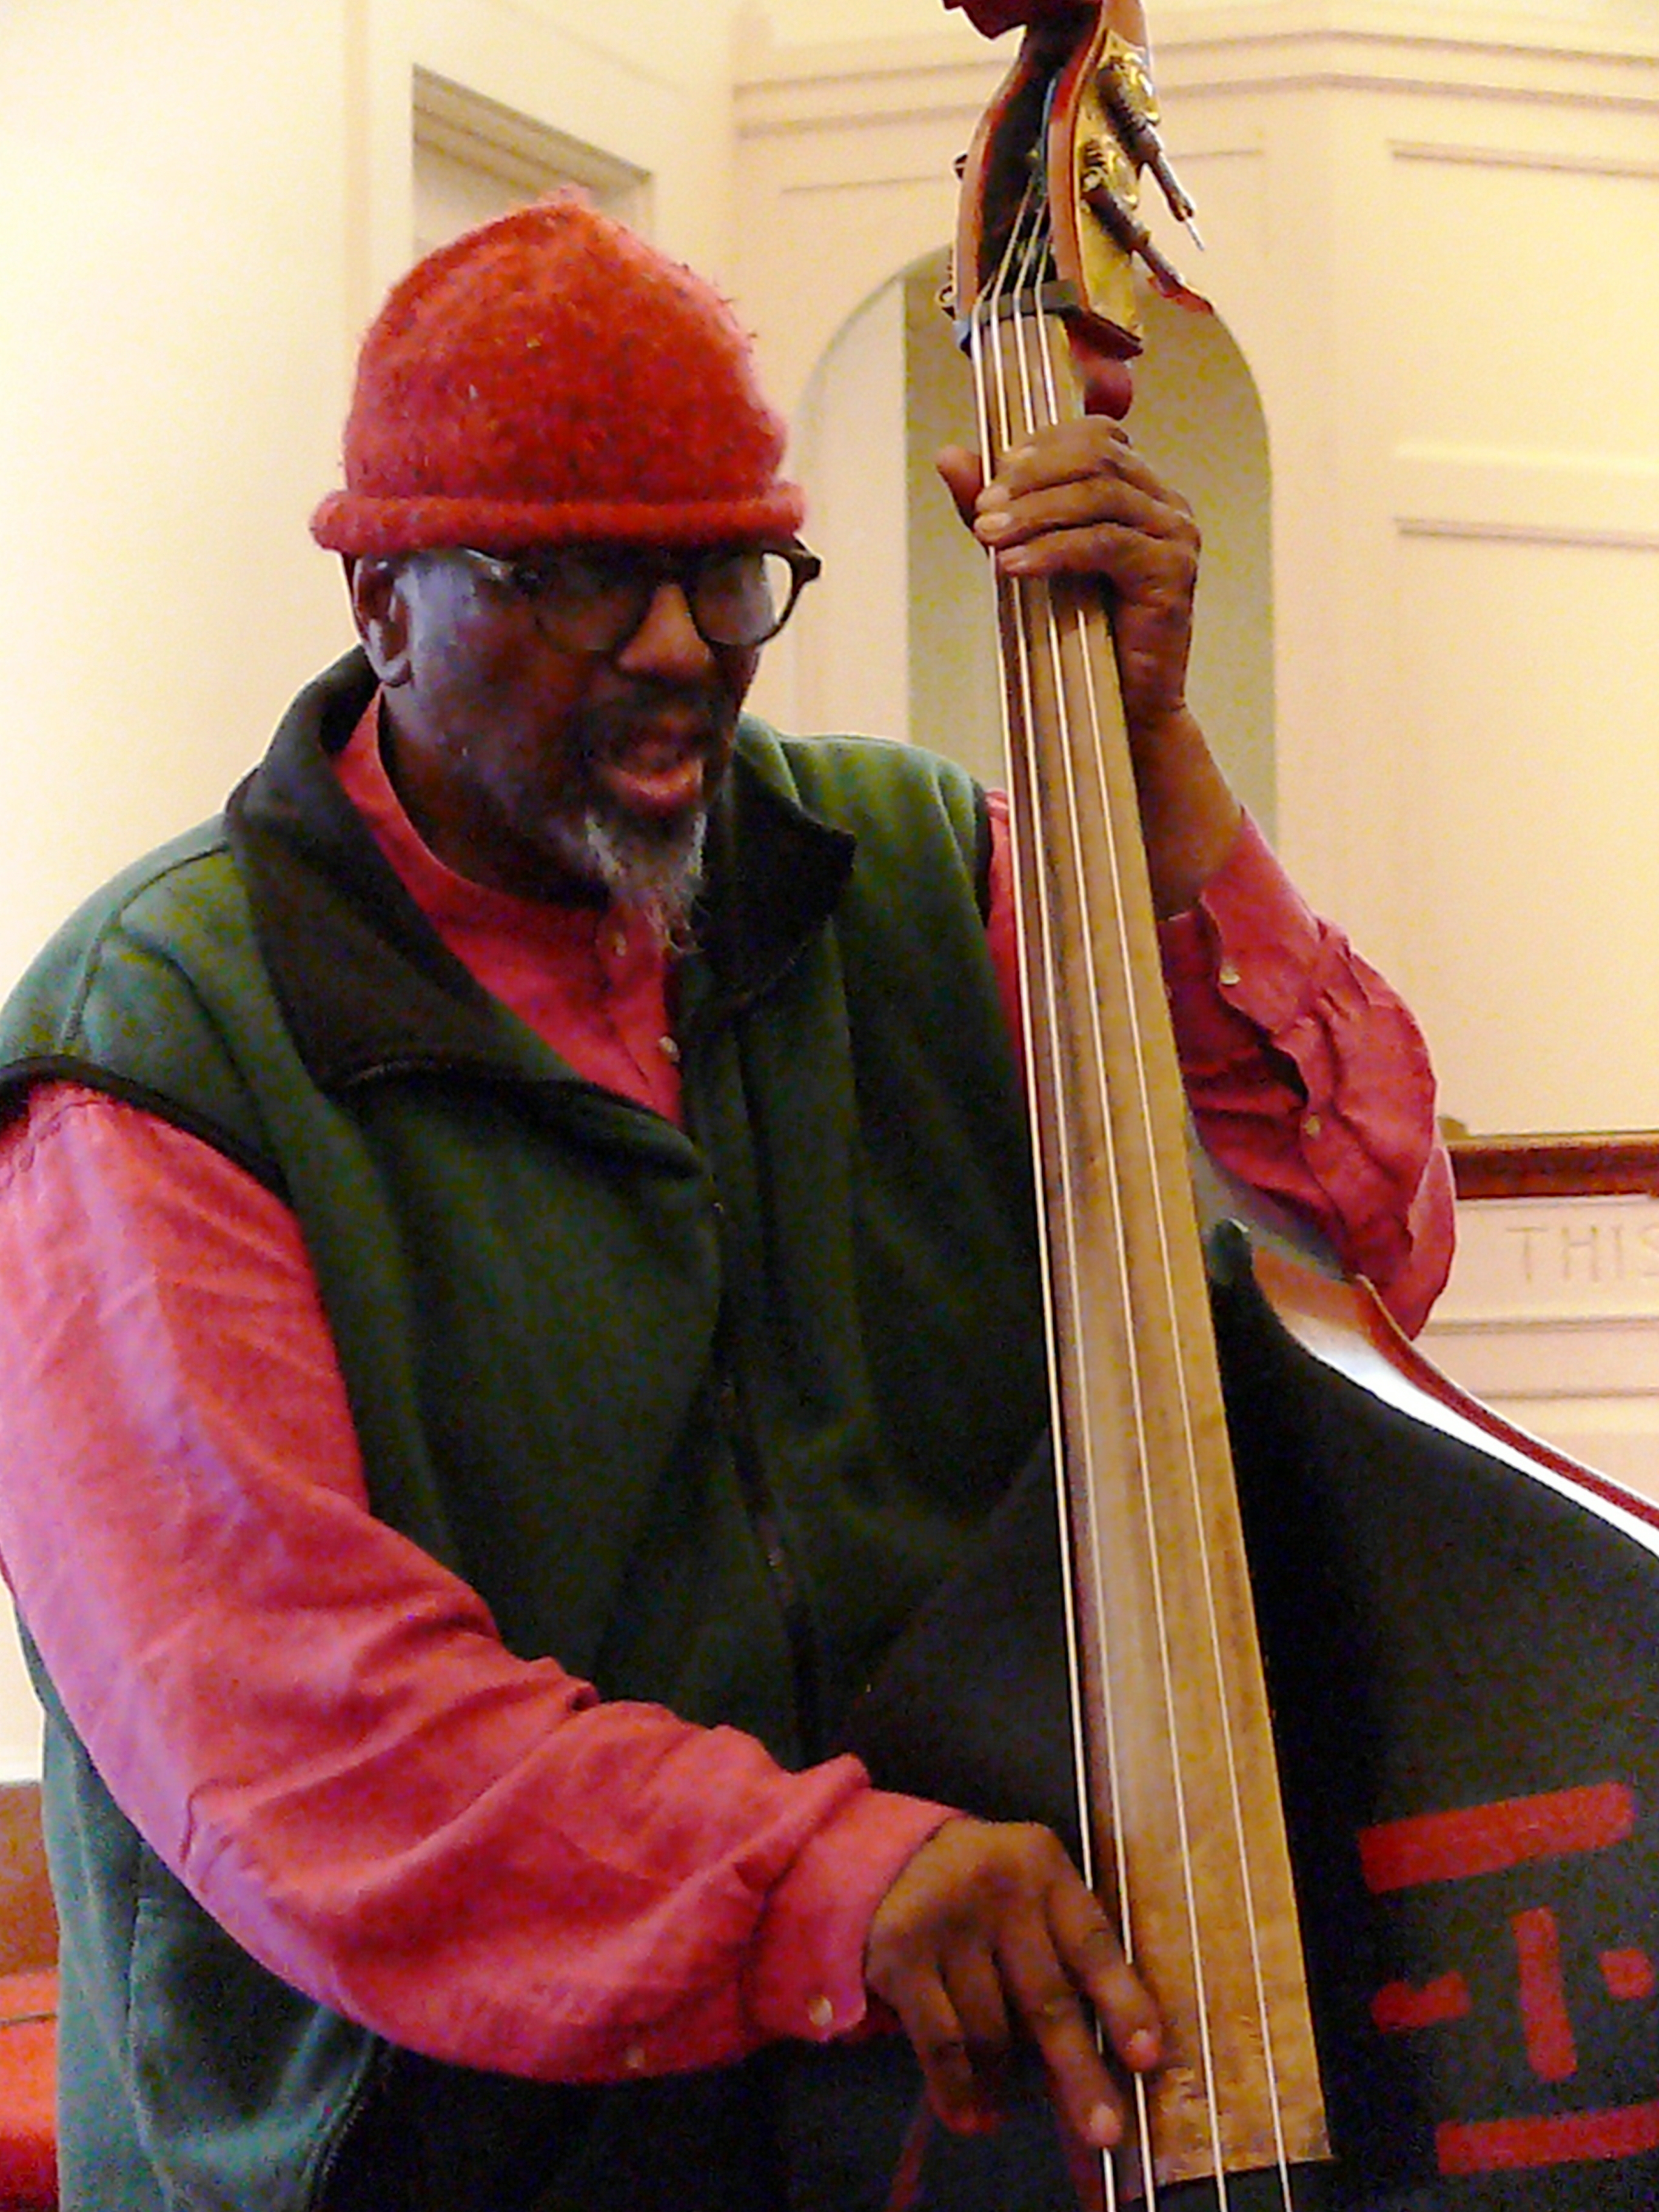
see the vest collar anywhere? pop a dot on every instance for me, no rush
(369, 988)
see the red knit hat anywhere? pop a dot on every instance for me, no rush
(550, 376)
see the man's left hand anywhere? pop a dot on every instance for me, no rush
(1077, 500)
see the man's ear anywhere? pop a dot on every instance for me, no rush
(379, 607)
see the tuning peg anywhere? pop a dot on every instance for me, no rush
(1126, 92)
(1180, 204)
(1118, 217)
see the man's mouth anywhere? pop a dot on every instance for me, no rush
(655, 767)
(650, 781)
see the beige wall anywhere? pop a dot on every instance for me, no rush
(171, 365)
(199, 204)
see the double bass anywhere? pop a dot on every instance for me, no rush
(1364, 1683)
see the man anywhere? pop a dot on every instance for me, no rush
(518, 1281)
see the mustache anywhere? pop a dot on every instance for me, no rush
(698, 718)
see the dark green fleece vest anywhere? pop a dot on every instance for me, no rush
(703, 1412)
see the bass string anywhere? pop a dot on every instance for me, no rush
(1037, 630)
(1017, 701)
(993, 387)
(1040, 629)
(1023, 786)
(996, 381)
(1165, 1287)
(992, 391)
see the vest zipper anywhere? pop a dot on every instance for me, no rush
(375, 2074)
(759, 1501)
(763, 1518)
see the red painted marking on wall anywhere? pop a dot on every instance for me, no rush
(1627, 1973)
(1551, 2051)
(1484, 1838)
(1490, 2146)
(1398, 2005)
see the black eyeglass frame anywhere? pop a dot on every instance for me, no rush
(639, 575)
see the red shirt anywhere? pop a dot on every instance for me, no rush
(316, 1727)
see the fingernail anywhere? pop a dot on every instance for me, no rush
(1102, 2127)
(995, 525)
(1141, 2050)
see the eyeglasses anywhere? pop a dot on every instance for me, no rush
(587, 598)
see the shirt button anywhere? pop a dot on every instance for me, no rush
(821, 2015)
(1227, 973)
(619, 944)
(1311, 1125)
(634, 2058)
(669, 1049)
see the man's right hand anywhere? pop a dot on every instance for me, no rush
(988, 1935)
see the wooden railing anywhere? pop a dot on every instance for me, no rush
(1621, 1163)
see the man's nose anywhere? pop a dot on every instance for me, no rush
(667, 643)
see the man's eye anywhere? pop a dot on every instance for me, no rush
(572, 578)
(733, 582)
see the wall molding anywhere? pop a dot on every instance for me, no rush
(484, 134)
(1502, 157)
(1556, 499)
(1362, 45)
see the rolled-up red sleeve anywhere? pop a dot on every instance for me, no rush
(1308, 1077)
(313, 1723)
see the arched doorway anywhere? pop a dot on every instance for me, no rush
(899, 640)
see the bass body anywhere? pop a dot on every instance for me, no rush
(1460, 1634)
(1460, 1631)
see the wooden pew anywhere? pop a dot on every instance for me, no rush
(28, 2007)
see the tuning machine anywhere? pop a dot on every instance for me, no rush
(1110, 163)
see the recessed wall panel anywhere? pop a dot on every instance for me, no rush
(1530, 781)
(1524, 288)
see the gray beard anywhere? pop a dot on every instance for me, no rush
(659, 875)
